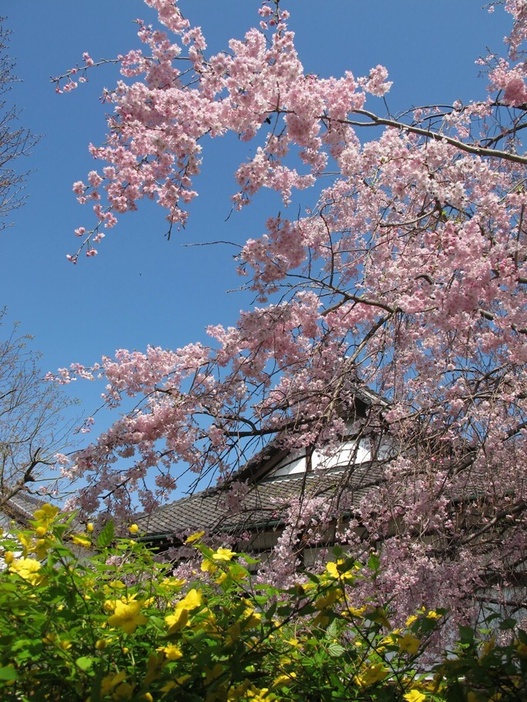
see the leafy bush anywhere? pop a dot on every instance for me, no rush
(97, 618)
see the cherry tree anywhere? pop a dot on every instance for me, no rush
(407, 276)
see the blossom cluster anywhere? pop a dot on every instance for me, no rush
(406, 276)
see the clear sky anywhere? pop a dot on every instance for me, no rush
(143, 289)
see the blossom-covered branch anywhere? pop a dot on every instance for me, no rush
(405, 277)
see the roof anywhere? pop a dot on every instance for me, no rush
(265, 498)
(264, 461)
(264, 504)
(19, 509)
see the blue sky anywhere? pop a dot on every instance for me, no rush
(143, 289)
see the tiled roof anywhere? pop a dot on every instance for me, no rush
(263, 506)
(267, 499)
(19, 509)
(269, 493)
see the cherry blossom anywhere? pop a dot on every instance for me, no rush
(407, 276)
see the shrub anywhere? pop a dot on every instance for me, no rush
(95, 618)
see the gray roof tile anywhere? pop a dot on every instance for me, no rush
(19, 509)
(263, 506)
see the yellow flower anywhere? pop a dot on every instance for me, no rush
(89, 527)
(110, 681)
(253, 618)
(223, 554)
(125, 691)
(208, 566)
(133, 529)
(28, 569)
(81, 540)
(357, 612)
(258, 695)
(327, 600)
(171, 651)
(194, 537)
(126, 615)
(409, 644)
(9, 557)
(332, 569)
(46, 513)
(336, 572)
(411, 619)
(192, 600)
(372, 674)
(179, 619)
(414, 696)
(237, 692)
(284, 679)
(387, 641)
(431, 614)
(173, 583)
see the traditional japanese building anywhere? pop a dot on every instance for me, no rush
(252, 506)
(18, 510)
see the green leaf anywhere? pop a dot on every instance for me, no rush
(374, 562)
(338, 552)
(508, 624)
(335, 650)
(8, 673)
(269, 614)
(84, 663)
(466, 634)
(332, 630)
(522, 635)
(105, 538)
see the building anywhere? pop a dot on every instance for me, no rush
(253, 505)
(305, 500)
(18, 510)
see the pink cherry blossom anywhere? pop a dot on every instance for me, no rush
(405, 283)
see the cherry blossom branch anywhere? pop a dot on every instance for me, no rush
(506, 513)
(377, 121)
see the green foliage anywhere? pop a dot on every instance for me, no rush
(97, 619)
